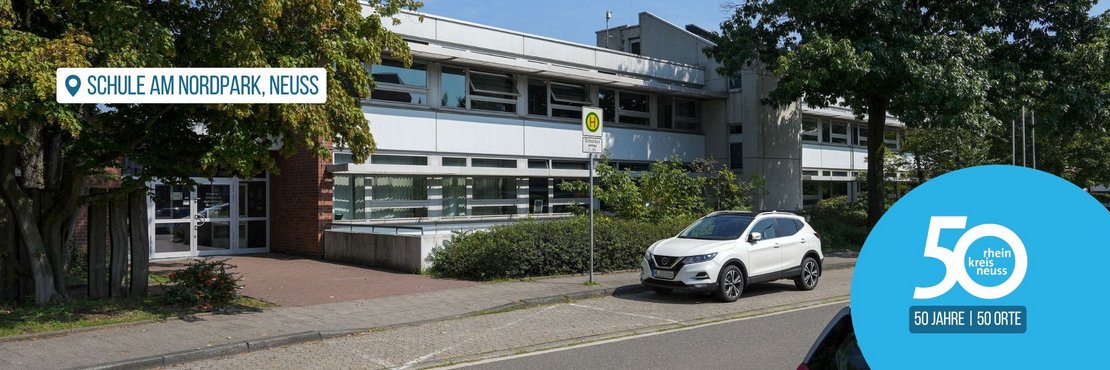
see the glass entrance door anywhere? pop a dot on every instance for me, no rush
(219, 216)
(213, 218)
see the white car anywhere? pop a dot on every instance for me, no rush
(725, 251)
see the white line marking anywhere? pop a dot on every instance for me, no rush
(623, 313)
(471, 339)
(613, 340)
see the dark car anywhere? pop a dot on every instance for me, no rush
(836, 347)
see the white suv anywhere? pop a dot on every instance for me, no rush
(725, 251)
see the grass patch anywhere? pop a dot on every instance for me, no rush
(590, 283)
(31, 319)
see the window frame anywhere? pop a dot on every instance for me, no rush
(621, 112)
(400, 88)
(678, 120)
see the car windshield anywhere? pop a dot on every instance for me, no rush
(720, 227)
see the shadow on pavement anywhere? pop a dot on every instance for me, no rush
(753, 290)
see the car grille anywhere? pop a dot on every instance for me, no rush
(666, 262)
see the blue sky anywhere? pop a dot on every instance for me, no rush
(576, 20)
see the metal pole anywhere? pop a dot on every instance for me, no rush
(1013, 142)
(1034, 113)
(591, 218)
(1023, 164)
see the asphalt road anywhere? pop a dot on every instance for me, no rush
(777, 341)
(774, 336)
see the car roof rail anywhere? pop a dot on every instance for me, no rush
(775, 212)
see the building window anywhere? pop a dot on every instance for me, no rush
(633, 108)
(607, 100)
(811, 130)
(736, 156)
(687, 115)
(454, 196)
(570, 165)
(860, 136)
(394, 82)
(454, 162)
(567, 100)
(348, 197)
(666, 112)
(395, 188)
(453, 87)
(494, 188)
(834, 132)
(537, 163)
(341, 158)
(537, 195)
(734, 83)
(634, 46)
(736, 129)
(399, 159)
(557, 99)
(492, 91)
(633, 166)
(891, 138)
(495, 163)
(537, 97)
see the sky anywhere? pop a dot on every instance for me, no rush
(577, 20)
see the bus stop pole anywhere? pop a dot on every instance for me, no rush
(591, 218)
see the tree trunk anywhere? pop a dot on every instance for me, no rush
(140, 250)
(22, 210)
(117, 211)
(876, 151)
(97, 249)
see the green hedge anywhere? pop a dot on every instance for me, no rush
(553, 247)
(1103, 198)
(840, 223)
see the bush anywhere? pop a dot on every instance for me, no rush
(554, 247)
(840, 223)
(204, 284)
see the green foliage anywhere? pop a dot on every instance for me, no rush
(966, 66)
(669, 190)
(204, 284)
(1103, 198)
(541, 248)
(841, 224)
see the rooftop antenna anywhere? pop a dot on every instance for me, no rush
(608, 16)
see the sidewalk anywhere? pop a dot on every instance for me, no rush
(174, 341)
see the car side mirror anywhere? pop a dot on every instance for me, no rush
(755, 237)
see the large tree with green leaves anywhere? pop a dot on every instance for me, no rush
(57, 147)
(930, 63)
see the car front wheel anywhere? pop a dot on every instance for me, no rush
(811, 273)
(730, 284)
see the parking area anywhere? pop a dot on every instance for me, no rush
(296, 281)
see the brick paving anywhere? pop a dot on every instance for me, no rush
(91, 348)
(267, 277)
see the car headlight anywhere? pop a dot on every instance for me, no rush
(647, 256)
(701, 258)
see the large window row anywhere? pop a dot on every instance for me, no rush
(831, 131)
(476, 89)
(367, 197)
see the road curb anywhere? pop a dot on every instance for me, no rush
(259, 344)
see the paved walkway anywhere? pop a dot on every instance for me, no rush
(91, 348)
(266, 277)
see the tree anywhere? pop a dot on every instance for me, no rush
(931, 64)
(669, 190)
(57, 147)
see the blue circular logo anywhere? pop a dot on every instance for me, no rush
(992, 266)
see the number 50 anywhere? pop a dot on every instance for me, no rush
(953, 259)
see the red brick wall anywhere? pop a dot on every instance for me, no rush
(81, 227)
(300, 205)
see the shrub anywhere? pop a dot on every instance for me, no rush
(840, 223)
(1103, 198)
(553, 247)
(204, 284)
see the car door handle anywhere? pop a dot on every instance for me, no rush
(804, 240)
(777, 245)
